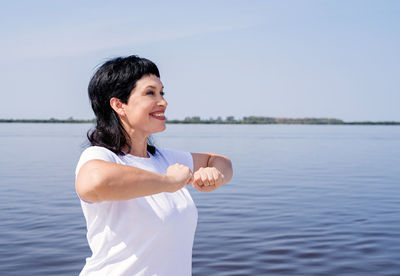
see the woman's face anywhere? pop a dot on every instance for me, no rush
(144, 111)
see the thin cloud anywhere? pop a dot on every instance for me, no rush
(80, 40)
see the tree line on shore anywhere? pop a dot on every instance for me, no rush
(251, 120)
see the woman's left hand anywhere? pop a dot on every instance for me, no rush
(207, 179)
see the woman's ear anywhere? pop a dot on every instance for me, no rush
(117, 106)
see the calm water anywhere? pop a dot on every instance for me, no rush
(305, 200)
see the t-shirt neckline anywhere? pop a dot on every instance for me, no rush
(139, 157)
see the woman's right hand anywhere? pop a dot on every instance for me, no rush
(178, 176)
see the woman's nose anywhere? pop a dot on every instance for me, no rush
(163, 102)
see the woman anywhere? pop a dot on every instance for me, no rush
(140, 217)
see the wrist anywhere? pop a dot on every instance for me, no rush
(167, 183)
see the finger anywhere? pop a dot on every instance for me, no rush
(195, 179)
(216, 174)
(210, 177)
(219, 179)
(190, 179)
(205, 189)
(198, 187)
(204, 179)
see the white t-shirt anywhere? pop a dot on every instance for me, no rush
(151, 235)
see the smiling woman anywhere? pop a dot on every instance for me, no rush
(140, 217)
(143, 113)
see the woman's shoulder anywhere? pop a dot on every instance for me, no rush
(96, 153)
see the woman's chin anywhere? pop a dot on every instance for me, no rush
(160, 129)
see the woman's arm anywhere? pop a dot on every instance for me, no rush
(211, 171)
(99, 180)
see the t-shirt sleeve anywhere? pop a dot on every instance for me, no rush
(176, 156)
(92, 153)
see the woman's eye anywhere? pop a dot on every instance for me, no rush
(151, 92)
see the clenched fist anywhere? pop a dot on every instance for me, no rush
(207, 179)
(178, 176)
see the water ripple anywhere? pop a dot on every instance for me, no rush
(304, 201)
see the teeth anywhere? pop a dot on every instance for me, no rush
(158, 114)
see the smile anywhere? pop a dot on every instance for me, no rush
(158, 115)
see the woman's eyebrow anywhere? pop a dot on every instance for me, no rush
(154, 87)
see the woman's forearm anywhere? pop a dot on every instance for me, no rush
(223, 164)
(99, 180)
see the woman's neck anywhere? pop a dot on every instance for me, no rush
(138, 146)
(137, 140)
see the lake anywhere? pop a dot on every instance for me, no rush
(304, 200)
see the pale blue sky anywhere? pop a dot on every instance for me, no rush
(337, 59)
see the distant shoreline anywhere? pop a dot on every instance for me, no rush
(229, 120)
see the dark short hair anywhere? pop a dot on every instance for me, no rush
(115, 78)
